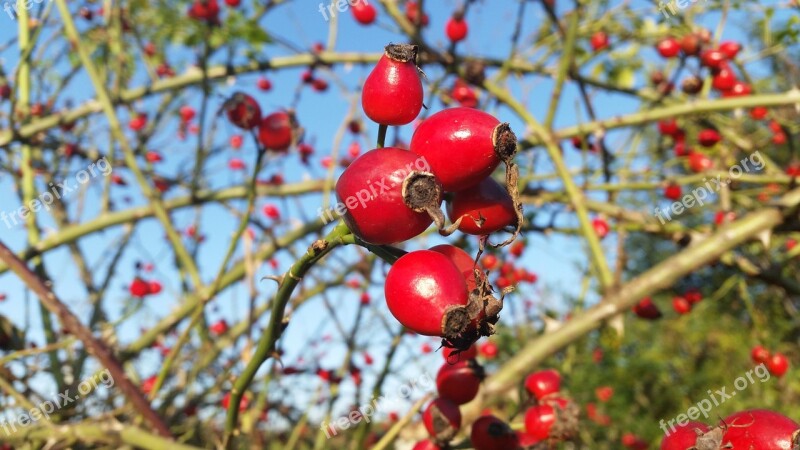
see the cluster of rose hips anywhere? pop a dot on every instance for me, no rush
(550, 416)
(276, 132)
(776, 363)
(682, 304)
(208, 10)
(757, 429)
(393, 195)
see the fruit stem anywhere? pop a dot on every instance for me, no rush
(382, 135)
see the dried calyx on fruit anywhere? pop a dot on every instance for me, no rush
(463, 147)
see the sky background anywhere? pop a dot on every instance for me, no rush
(559, 261)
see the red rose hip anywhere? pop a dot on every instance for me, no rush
(387, 197)
(392, 93)
(427, 293)
(483, 209)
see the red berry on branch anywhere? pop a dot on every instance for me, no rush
(392, 93)
(456, 28)
(442, 419)
(491, 433)
(243, 111)
(363, 12)
(483, 209)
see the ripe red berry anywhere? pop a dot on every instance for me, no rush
(646, 309)
(233, 3)
(699, 162)
(488, 350)
(690, 45)
(452, 355)
(219, 327)
(778, 364)
(456, 28)
(599, 41)
(319, 85)
(276, 131)
(694, 296)
(463, 261)
(683, 437)
(668, 127)
(393, 209)
(539, 420)
(243, 111)
(427, 293)
(723, 217)
(483, 209)
(490, 261)
(138, 122)
(187, 113)
(463, 94)
(712, 59)
(236, 141)
(760, 429)
(724, 80)
(491, 433)
(730, 49)
(681, 305)
(708, 137)
(543, 383)
(672, 191)
(759, 113)
(759, 355)
(600, 227)
(413, 16)
(442, 419)
(427, 444)
(264, 84)
(363, 12)
(139, 288)
(739, 89)
(463, 146)
(271, 211)
(668, 47)
(392, 93)
(205, 10)
(459, 382)
(604, 393)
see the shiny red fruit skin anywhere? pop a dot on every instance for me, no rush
(462, 260)
(673, 192)
(420, 287)
(683, 437)
(708, 137)
(491, 433)
(724, 80)
(364, 13)
(699, 162)
(384, 217)
(539, 420)
(759, 429)
(600, 227)
(456, 29)
(427, 444)
(489, 350)
(392, 93)
(778, 364)
(599, 41)
(543, 383)
(457, 144)
(681, 305)
(243, 111)
(712, 59)
(730, 49)
(488, 202)
(668, 47)
(450, 355)
(139, 288)
(668, 127)
(275, 131)
(448, 409)
(759, 355)
(459, 382)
